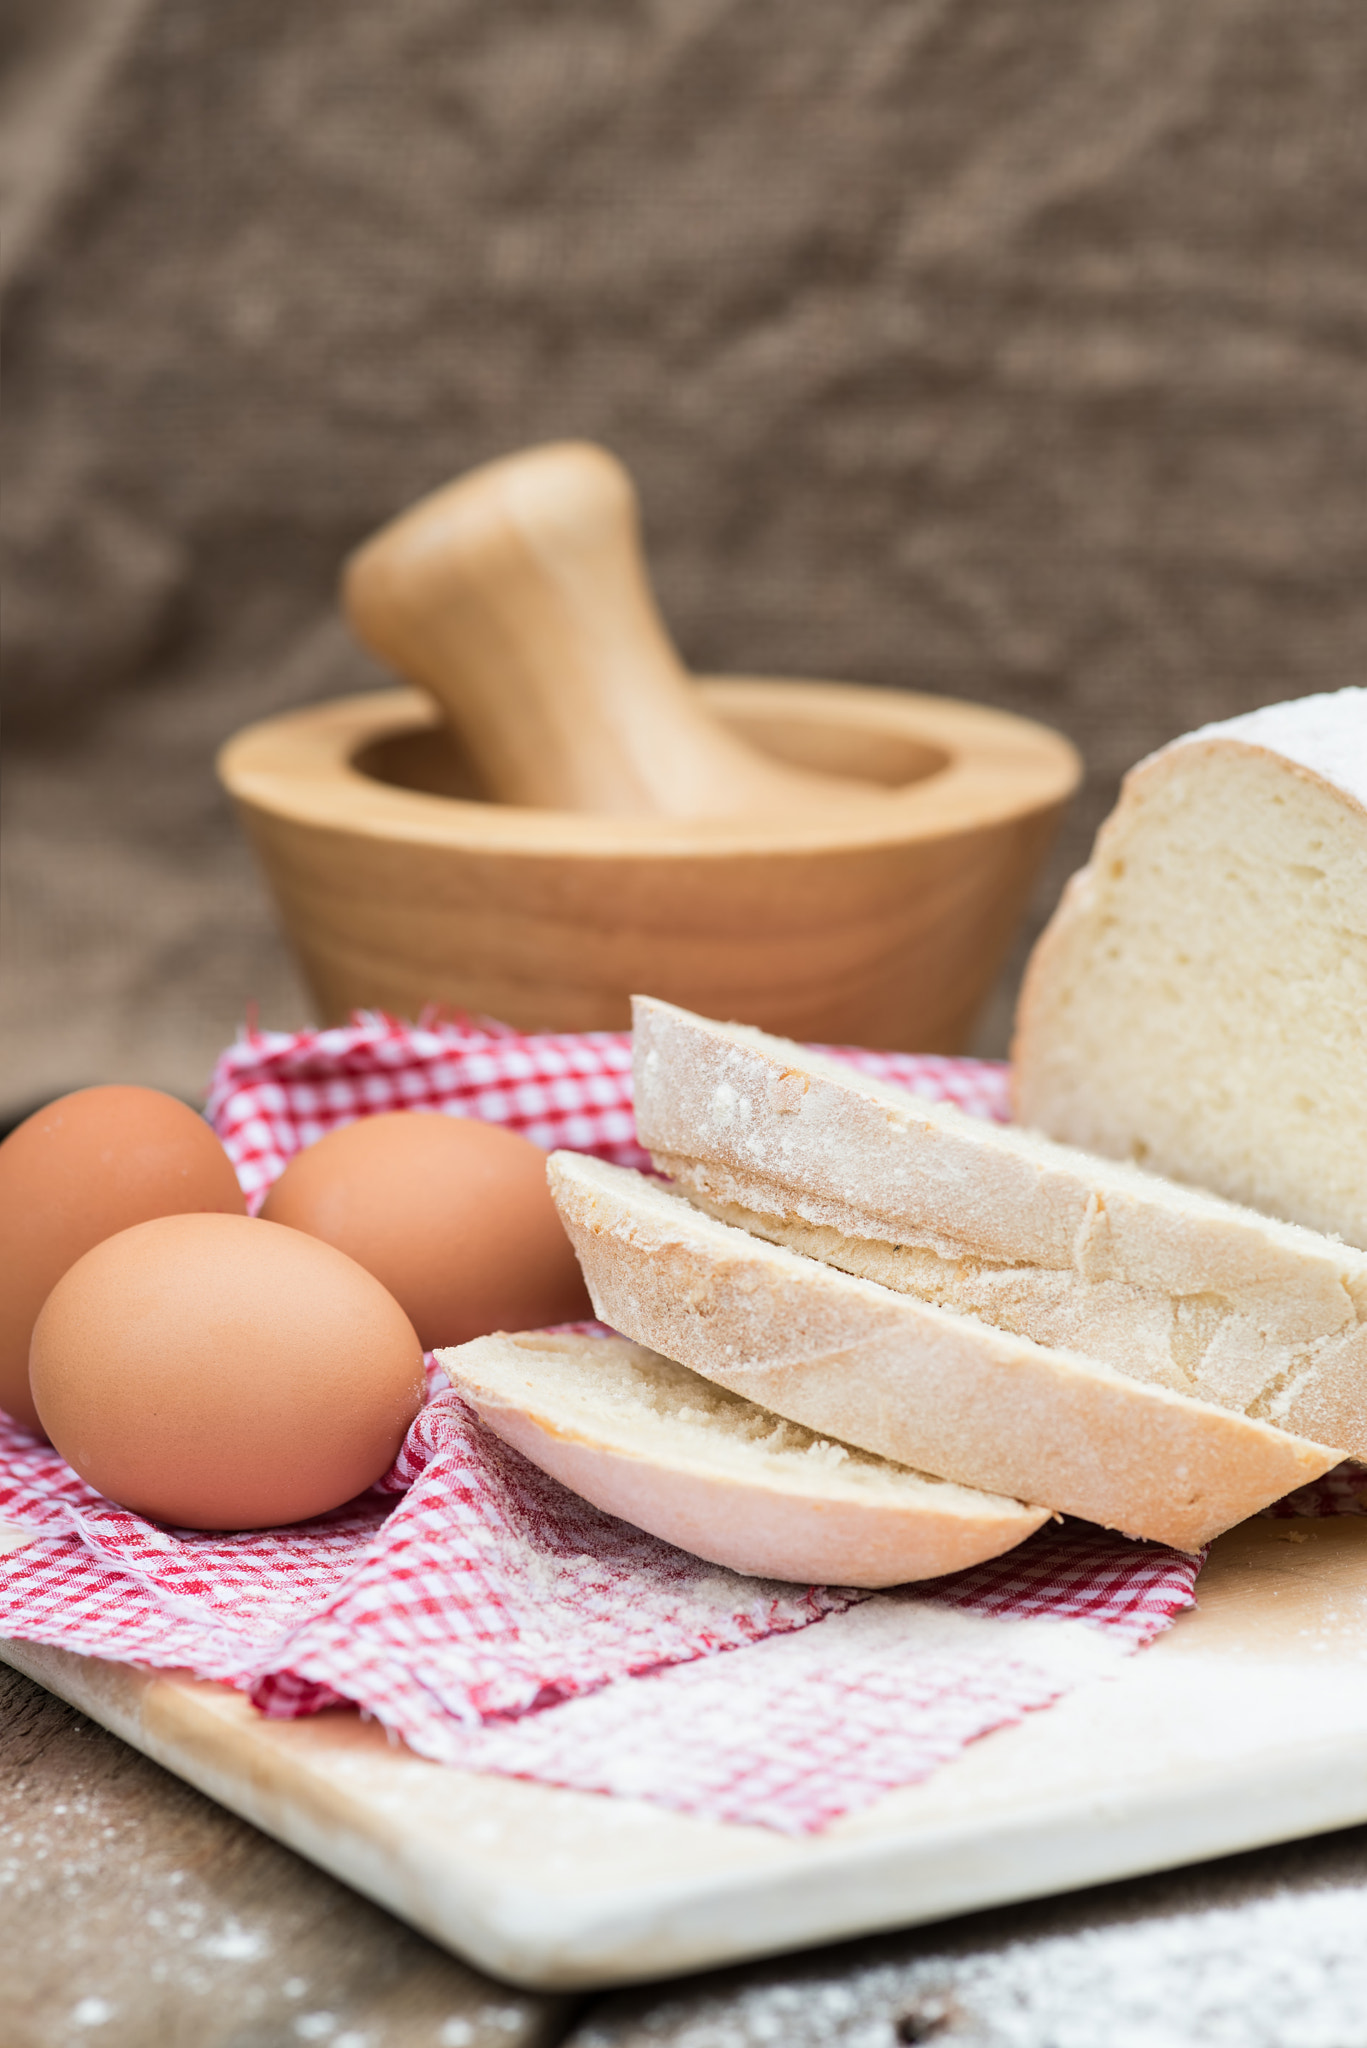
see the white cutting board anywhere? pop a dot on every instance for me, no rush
(1245, 1724)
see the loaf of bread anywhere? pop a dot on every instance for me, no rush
(935, 1390)
(1164, 1283)
(1198, 1003)
(645, 1439)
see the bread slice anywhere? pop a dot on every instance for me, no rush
(938, 1391)
(644, 1438)
(1198, 1002)
(1164, 1283)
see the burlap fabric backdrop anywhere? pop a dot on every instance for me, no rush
(1013, 352)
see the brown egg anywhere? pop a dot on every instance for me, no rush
(74, 1173)
(219, 1373)
(453, 1215)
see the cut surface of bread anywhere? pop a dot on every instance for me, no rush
(647, 1440)
(1166, 1283)
(936, 1390)
(1198, 1002)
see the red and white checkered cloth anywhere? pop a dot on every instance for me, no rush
(493, 1619)
(276, 1091)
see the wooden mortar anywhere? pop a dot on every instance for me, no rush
(401, 886)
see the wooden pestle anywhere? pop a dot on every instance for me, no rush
(518, 597)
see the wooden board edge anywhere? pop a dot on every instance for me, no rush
(543, 1942)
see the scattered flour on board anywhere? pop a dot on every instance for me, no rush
(1289, 1971)
(92, 2012)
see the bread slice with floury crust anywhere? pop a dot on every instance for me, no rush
(1198, 1002)
(937, 1391)
(1165, 1283)
(645, 1439)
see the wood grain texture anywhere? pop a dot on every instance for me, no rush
(137, 1912)
(882, 926)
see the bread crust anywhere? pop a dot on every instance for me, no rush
(817, 1533)
(939, 1391)
(1168, 1285)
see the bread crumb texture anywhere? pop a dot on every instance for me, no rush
(1198, 1004)
(647, 1405)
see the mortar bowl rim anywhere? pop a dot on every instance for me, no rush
(300, 767)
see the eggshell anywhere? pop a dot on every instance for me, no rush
(453, 1215)
(86, 1166)
(217, 1372)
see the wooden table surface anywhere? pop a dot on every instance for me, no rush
(137, 1914)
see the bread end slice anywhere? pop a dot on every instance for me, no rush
(647, 1440)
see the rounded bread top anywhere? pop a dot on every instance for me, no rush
(1326, 734)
